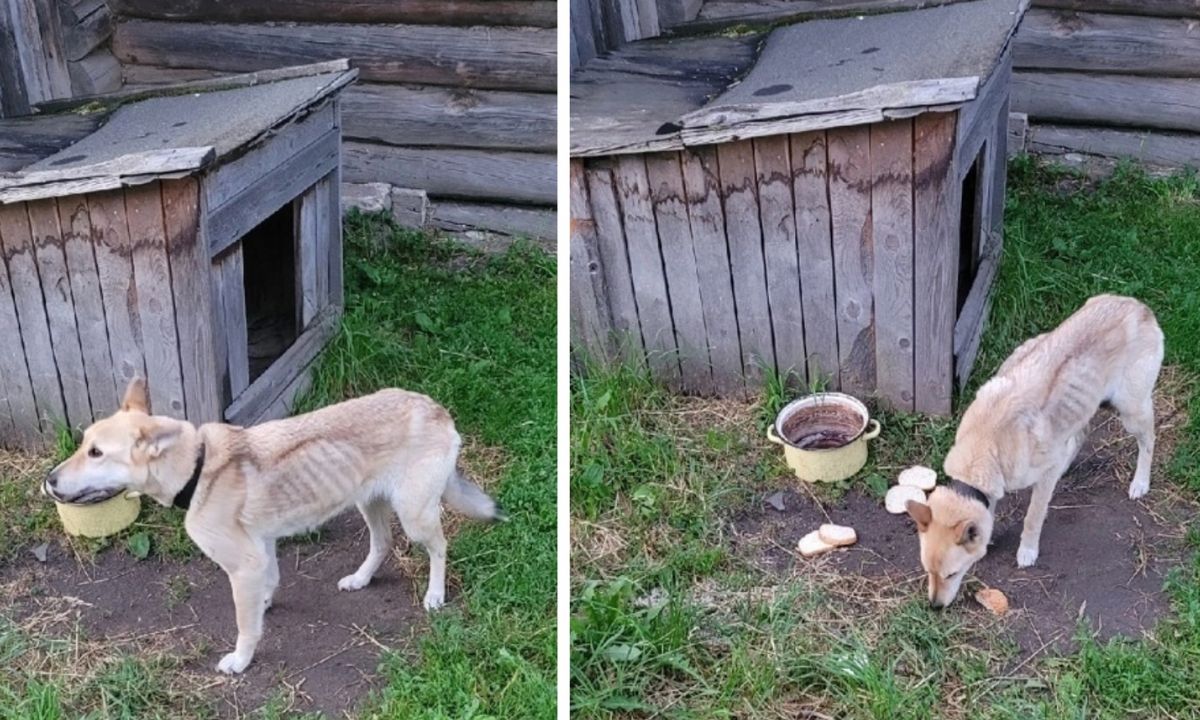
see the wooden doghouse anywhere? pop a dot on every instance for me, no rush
(826, 198)
(190, 235)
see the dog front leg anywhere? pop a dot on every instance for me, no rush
(249, 600)
(1035, 516)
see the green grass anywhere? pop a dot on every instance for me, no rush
(669, 620)
(475, 332)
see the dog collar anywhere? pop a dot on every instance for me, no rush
(183, 498)
(970, 491)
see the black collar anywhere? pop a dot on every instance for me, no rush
(970, 491)
(184, 498)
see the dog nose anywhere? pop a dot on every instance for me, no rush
(52, 480)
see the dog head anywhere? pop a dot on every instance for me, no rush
(116, 454)
(954, 532)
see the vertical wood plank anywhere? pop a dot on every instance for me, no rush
(324, 240)
(19, 424)
(999, 150)
(306, 246)
(738, 187)
(155, 301)
(75, 220)
(853, 256)
(701, 178)
(60, 310)
(231, 301)
(590, 323)
(118, 290)
(614, 263)
(936, 204)
(814, 240)
(191, 288)
(679, 263)
(892, 231)
(31, 314)
(777, 216)
(333, 215)
(646, 268)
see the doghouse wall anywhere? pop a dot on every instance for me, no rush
(97, 289)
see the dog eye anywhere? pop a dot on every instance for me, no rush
(94, 452)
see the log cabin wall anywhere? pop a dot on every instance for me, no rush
(598, 26)
(1117, 78)
(453, 99)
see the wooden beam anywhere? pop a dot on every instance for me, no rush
(1152, 8)
(1115, 100)
(1095, 42)
(722, 14)
(532, 13)
(1154, 148)
(518, 220)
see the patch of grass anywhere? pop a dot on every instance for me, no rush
(656, 480)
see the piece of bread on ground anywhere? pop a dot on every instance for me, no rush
(897, 495)
(993, 600)
(918, 476)
(811, 545)
(837, 535)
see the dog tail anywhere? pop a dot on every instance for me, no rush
(469, 499)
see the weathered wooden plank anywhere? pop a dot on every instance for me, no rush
(307, 245)
(482, 57)
(107, 174)
(665, 179)
(95, 74)
(521, 220)
(1095, 42)
(978, 117)
(999, 169)
(20, 256)
(850, 183)
(744, 235)
(19, 425)
(191, 286)
(499, 176)
(646, 268)
(37, 36)
(14, 95)
(334, 218)
(677, 12)
(155, 300)
(229, 297)
(614, 261)
(814, 240)
(1017, 137)
(591, 326)
(892, 231)
(1153, 8)
(249, 405)
(707, 219)
(936, 203)
(532, 13)
(1155, 148)
(968, 328)
(322, 208)
(114, 265)
(242, 212)
(720, 14)
(85, 33)
(60, 310)
(75, 221)
(285, 404)
(1120, 100)
(777, 216)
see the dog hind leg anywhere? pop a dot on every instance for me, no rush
(375, 513)
(424, 526)
(1138, 419)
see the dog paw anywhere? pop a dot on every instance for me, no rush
(434, 600)
(232, 664)
(353, 582)
(1026, 556)
(1138, 488)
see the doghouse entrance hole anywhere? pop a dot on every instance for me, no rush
(269, 257)
(969, 231)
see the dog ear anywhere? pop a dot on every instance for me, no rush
(920, 513)
(135, 399)
(968, 532)
(158, 438)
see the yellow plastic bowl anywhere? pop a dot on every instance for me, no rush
(102, 519)
(824, 436)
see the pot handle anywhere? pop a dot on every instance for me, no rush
(772, 436)
(872, 429)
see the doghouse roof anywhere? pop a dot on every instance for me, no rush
(173, 131)
(665, 94)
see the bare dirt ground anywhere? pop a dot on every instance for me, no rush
(1103, 557)
(320, 647)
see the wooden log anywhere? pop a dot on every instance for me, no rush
(479, 57)
(75, 221)
(614, 261)
(84, 33)
(498, 176)
(20, 255)
(533, 13)
(60, 311)
(646, 268)
(518, 220)
(706, 218)
(665, 178)
(936, 203)
(1094, 42)
(591, 325)
(777, 218)
(191, 287)
(95, 74)
(744, 235)
(892, 231)
(19, 425)
(853, 255)
(114, 265)
(1152, 8)
(1117, 100)
(155, 299)
(1154, 148)
(814, 240)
